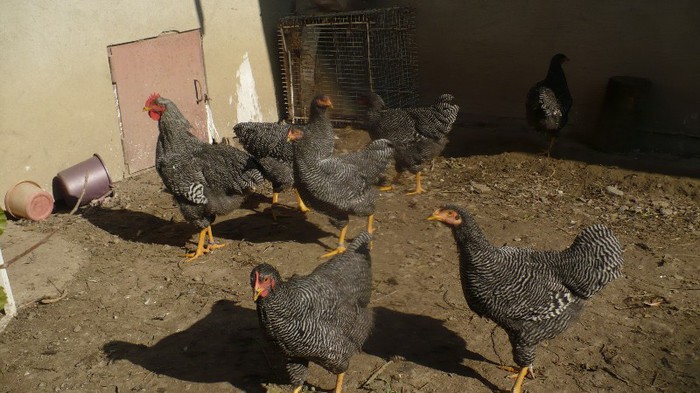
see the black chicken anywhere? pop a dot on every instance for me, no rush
(533, 295)
(205, 180)
(267, 142)
(549, 101)
(418, 134)
(337, 186)
(323, 317)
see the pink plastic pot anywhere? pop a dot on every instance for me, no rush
(26, 199)
(69, 182)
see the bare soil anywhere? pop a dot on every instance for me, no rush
(135, 317)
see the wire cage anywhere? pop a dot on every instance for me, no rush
(347, 54)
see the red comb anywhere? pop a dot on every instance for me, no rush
(151, 98)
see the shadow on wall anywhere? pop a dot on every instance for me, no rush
(270, 13)
(200, 14)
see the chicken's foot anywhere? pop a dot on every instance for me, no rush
(200, 247)
(419, 189)
(551, 144)
(393, 181)
(339, 383)
(516, 370)
(370, 227)
(203, 248)
(298, 389)
(302, 206)
(517, 388)
(275, 199)
(213, 245)
(341, 244)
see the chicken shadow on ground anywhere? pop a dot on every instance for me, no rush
(256, 227)
(225, 346)
(139, 227)
(497, 136)
(259, 227)
(422, 340)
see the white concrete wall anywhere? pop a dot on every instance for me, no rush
(57, 106)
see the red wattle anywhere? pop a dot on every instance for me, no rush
(154, 115)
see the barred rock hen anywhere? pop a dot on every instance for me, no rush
(338, 186)
(549, 101)
(267, 142)
(533, 295)
(205, 180)
(323, 317)
(418, 134)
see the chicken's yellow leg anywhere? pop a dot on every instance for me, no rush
(341, 244)
(551, 144)
(200, 247)
(275, 198)
(212, 244)
(517, 388)
(339, 383)
(419, 189)
(391, 185)
(370, 227)
(298, 389)
(302, 206)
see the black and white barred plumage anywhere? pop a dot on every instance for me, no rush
(342, 185)
(418, 134)
(533, 295)
(548, 102)
(205, 180)
(267, 142)
(323, 317)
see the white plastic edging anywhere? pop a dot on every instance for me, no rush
(11, 306)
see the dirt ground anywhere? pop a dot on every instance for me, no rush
(134, 317)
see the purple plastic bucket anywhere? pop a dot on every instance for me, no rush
(71, 181)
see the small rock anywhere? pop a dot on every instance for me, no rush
(480, 188)
(614, 191)
(197, 278)
(660, 204)
(667, 212)
(77, 329)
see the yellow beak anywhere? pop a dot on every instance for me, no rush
(146, 108)
(436, 216)
(289, 138)
(257, 293)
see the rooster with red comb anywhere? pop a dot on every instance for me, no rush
(205, 180)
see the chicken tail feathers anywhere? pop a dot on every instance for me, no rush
(360, 244)
(600, 248)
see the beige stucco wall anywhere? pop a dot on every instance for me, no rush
(57, 105)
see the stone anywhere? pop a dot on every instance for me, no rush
(612, 190)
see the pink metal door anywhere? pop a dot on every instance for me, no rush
(173, 66)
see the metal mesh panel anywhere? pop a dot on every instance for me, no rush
(344, 55)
